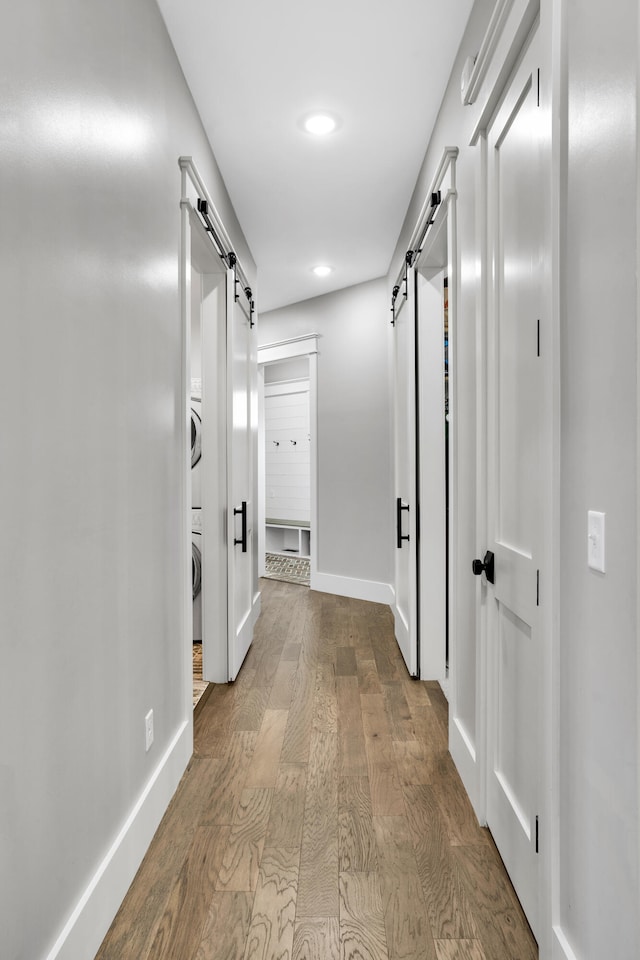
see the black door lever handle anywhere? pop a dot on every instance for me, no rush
(485, 566)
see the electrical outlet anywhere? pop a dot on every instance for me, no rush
(148, 730)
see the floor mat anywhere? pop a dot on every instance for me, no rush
(289, 569)
(199, 685)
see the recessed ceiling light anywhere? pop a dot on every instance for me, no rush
(322, 271)
(320, 124)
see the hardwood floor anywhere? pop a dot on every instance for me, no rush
(321, 817)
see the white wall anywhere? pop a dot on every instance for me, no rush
(599, 814)
(354, 466)
(92, 124)
(287, 435)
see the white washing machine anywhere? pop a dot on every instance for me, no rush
(196, 572)
(196, 451)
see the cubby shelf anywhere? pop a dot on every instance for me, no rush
(288, 538)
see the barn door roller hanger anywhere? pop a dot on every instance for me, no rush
(436, 200)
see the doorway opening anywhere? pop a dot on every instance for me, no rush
(287, 458)
(287, 444)
(423, 306)
(207, 405)
(434, 350)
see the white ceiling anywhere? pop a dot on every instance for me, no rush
(255, 67)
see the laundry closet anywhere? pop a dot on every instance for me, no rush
(196, 461)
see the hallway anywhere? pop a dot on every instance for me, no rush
(321, 816)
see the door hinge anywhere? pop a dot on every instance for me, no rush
(537, 835)
(537, 588)
(538, 86)
(538, 337)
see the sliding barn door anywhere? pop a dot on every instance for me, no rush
(405, 505)
(241, 471)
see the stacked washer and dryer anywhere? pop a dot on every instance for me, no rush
(196, 505)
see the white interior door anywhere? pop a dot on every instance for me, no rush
(516, 192)
(214, 480)
(406, 506)
(431, 270)
(241, 472)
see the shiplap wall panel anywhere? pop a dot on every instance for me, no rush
(287, 464)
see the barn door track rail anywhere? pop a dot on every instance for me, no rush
(430, 206)
(219, 236)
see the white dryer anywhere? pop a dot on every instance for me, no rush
(196, 451)
(196, 573)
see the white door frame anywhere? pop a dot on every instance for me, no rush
(432, 262)
(195, 196)
(202, 258)
(438, 212)
(280, 352)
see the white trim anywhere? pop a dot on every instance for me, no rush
(506, 47)
(370, 590)
(224, 247)
(446, 166)
(482, 527)
(85, 929)
(262, 472)
(186, 640)
(313, 423)
(465, 757)
(561, 949)
(432, 652)
(637, 425)
(422, 226)
(280, 388)
(288, 349)
(554, 91)
(487, 49)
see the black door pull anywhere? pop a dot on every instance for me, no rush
(400, 506)
(243, 513)
(487, 566)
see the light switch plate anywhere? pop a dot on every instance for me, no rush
(595, 540)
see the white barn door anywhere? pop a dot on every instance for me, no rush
(516, 447)
(406, 506)
(241, 432)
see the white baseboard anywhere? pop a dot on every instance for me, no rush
(351, 587)
(85, 929)
(561, 949)
(464, 756)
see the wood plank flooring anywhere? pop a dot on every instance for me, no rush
(321, 817)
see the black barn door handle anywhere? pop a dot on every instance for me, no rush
(243, 512)
(400, 506)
